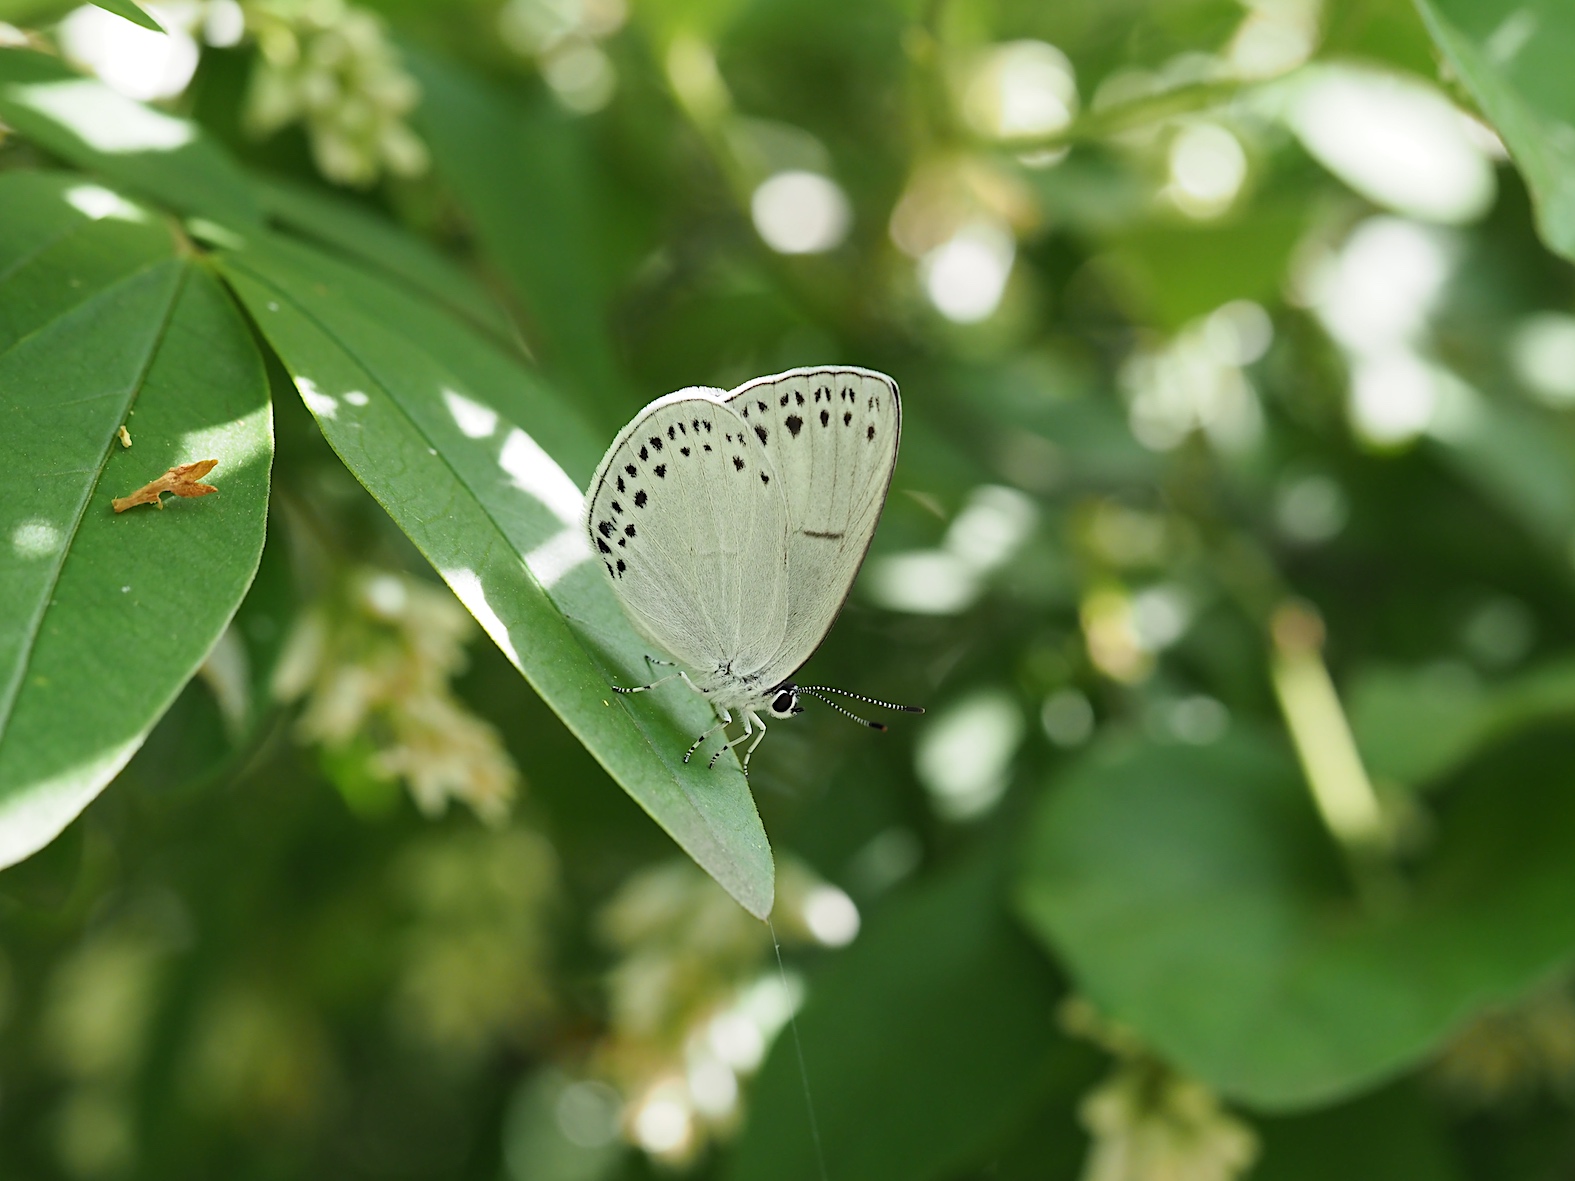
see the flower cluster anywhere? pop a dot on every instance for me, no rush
(1148, 1122)
(1507, 1054)
(473, 957)
(330, 65)
(373, 663)
(695, 998)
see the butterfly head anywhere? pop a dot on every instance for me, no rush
(784, 702)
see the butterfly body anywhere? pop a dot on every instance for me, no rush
(731, 524)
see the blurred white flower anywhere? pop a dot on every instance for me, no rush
(964, 754)
(965, 276)
(1542, 351)
(330, 65)
(800, 212)
(1021, 90)
(374, 665)
(1207, 169)
(1195, 381)
(696, 996)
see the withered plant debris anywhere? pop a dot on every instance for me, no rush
(125, 437)
(182, 481)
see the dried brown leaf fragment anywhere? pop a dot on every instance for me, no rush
(182, 481)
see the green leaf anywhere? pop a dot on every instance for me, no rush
(1415, 725)
(481, 466)
(519, 172)
(360, 235)
(103, 324)
(147, 151)
(132, 12)
(1195, 897)
(926, 1043)
(1513, 57)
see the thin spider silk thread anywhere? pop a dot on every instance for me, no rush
(803, 1072)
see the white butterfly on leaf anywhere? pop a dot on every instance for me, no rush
(731, 524)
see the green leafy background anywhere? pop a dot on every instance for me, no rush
(226, 948)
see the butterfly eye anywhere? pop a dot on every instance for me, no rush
(782, 704)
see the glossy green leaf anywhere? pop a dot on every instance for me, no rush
(482, 467)
(1415, 725)
(132, 12)
(359, 234)
(519, 173)
(925, 1044)
(102, 323)
(1513, 57)
(1195, 897)
(144, 150)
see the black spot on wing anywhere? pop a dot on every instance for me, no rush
(621, 566)
(644, 454)
(798, 398)
(639, 499)
(847, 417)
(762, 405)
(603, 546)
(617, 508)
(605, 528)
(794, 424)
(738, 463)
(628, 530)
(870, 434)
(760, 431)
(707, 446)
(684, 451)
(765, 479)
(825, 417)
(620, 483)
(656, 443)
(661, 471)
(630, 468)
(669, 434)
(784, 400)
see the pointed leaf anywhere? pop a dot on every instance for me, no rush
(103, 325)
(1513, 56)
(131, 12)
(482, 467)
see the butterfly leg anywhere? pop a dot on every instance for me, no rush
(751, 721)
(726, 718)
(651, 662)
(761, 733)
(653, 685)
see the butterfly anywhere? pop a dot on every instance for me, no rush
(731, 524)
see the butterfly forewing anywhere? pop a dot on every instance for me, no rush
(689, 520)
(831, 434)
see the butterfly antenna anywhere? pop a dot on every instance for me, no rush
(844, 712)
(819, 689)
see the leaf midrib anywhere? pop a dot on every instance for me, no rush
(420, 433)
(10, 692)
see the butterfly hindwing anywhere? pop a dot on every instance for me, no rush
(832, 435)
(689, 520)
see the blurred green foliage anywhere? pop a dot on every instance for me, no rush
(1231, 551)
